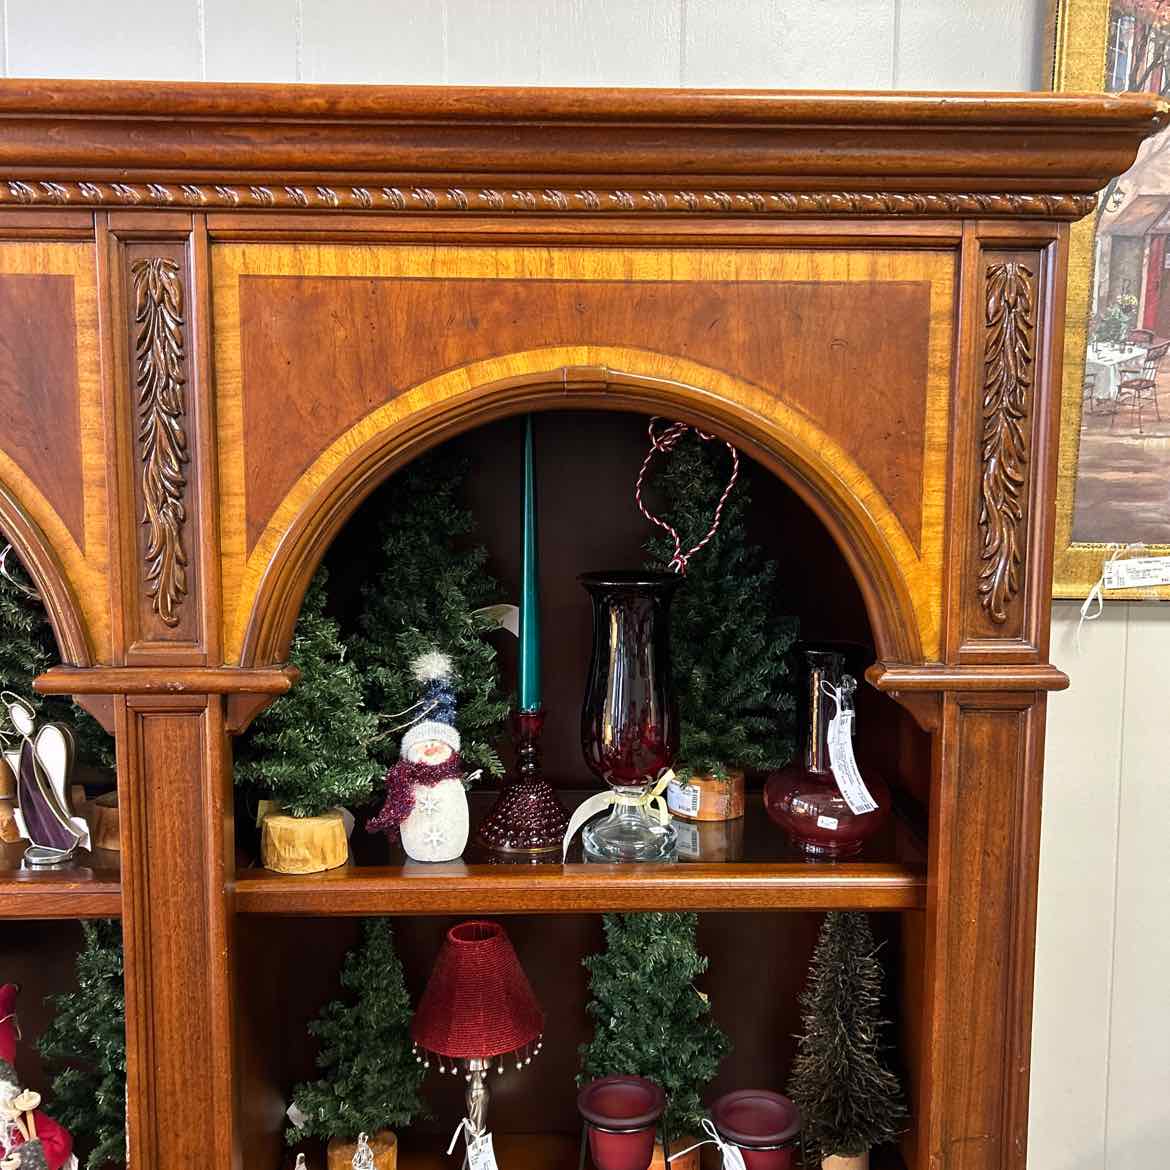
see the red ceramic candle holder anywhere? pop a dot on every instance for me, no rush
(765, 1126)
(622, 1115)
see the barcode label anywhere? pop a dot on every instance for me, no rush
(683, 799)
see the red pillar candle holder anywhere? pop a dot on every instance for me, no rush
(764, 1126)
(622, 1114)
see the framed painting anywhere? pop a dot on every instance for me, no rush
(1114, 483)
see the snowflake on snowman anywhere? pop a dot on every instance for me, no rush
(426, 790)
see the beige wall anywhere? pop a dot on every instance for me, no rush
(1101, 1078)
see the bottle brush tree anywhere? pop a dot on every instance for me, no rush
(370, 1078)
(312, 749)
(85, 1047)
(428, 585)
(728, 641)
(649, 1018)
(849, 1098)
(28, 648)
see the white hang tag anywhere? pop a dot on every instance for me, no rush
(683, 798)
(689, 842)
(507, 617)
(845, 771)
(296, 1118)
(1136, 573)
(480, 1155)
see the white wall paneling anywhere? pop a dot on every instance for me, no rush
(1101, 1073)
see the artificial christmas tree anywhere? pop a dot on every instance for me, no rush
(28, 648)
(427, 587)
(649, 1017)
(311, 751)
(849, 1099)
(729, 643)
(86, 1046)
(371, 1077)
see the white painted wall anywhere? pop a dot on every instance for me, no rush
(1101, 1069)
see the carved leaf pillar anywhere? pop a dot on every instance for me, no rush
(988, 711)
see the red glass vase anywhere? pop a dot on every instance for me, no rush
(804, 798)
(629, 721)
(764, 1126)
(622, 1114)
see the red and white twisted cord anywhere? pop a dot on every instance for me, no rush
(664, 442)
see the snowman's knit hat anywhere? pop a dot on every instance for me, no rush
(438, 707)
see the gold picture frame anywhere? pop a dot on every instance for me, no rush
(1113, 486)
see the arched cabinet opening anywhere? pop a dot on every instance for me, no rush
(586, 466)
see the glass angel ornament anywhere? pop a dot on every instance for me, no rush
(41, 758)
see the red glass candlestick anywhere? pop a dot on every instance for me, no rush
(764, 1125)
(622, 1115)
(528, 818)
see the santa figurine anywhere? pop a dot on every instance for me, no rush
(29, 1139)
(426, 790)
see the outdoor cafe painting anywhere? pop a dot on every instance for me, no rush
(1115, 423)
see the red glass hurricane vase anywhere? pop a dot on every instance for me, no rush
(764, 1126)
(629, 721)
(621, 1113)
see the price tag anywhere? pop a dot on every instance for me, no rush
(845, 771)
(1136, 573)
(296, 1118)
(480, 1155)
(683, 799)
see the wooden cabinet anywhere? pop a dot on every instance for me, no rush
(229, 312)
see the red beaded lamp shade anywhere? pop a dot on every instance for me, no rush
(478, 1004)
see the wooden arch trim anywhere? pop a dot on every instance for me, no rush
(41, 563)
(840, 506)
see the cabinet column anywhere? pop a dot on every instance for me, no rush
(174, 760)
(981, 913)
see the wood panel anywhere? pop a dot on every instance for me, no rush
(52, 450)
(802, 390)
(379, 337)
(39, 385)
(173, 763)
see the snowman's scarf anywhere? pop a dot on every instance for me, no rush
(400, 784)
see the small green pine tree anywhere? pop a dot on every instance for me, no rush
(729, 647)
(424, 594)
(371, 1077)
(85, 1046)
(311, 750)
(28, 648)
(649, 1018)
(849, 1099)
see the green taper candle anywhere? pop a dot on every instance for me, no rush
(529, 589)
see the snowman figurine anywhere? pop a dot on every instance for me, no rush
(426, 790)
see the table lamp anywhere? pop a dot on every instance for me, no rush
(478, 1009)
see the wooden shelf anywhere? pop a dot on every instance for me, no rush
(90, 888)
(761, 873)
(551, 1151)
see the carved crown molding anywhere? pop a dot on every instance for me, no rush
(1007, 385)
(162, 436)
(579, 201)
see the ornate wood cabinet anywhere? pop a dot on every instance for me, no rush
(228, 312)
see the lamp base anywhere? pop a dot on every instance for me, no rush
(528, 819)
